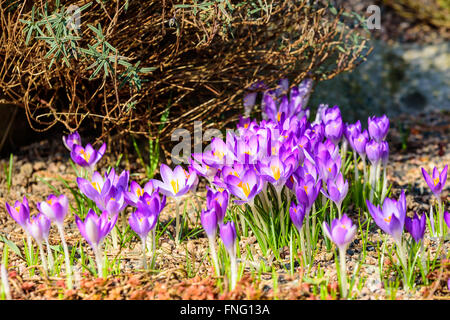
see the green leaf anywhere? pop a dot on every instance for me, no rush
(12, 246)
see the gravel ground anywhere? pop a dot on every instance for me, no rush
(427, 145)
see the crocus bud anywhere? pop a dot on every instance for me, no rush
(71, 140)
(297, 214)
(416, 226)
(228, 235)
(219, 202)
(360, 142)
(373, 151)
(342, 231)
(334, 130)
(378, 127)
(20, 212)
(208, 219)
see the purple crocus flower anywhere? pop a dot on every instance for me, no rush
(137, 192)
(359, 142)
(378, 127)
(337, 190)
(342, 231)
(87, 157)
(416, 226)
(437, 181)
(228, 236)
(55, 208)
(334, 130)
(352, 130)
(209, 222)
(151, 204)
(297, 214)
(307, 190)
(391, 217)
(175, 183)
(219, 202)
(244, 187)
(329, 114)
(20, 212)
(39, 227)
(142, 223)
(113, 201)
(118, 181)
(201, 168)
(71, 140)
(96, 188)
(374, 151)
(95, 228)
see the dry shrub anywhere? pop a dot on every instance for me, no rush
(204, 58)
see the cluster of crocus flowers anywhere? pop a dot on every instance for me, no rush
(436, 183)
(370, 144)
(54, 209)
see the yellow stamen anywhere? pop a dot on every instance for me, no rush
(436, 181)
(245, 187)
(218, 154)
(246, 125)
(306, 189)
(139, 192)
(276, 172)
(175, 186)
(388, 219)
(96, 186)
(86, 156)
(279, 116)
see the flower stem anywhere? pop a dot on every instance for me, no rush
(364, 171)
(233, 270)
(212, 249)
(441, 218)
(283, 232)
(5, 283)
(355, 161)
(66, 257)
(51, 263)
(98, 260)
(114, 237)
(144, 257)
(302, 247)
(343, 272)
(44, 261)
(177, 223)
(153, 247)
(384, 189)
